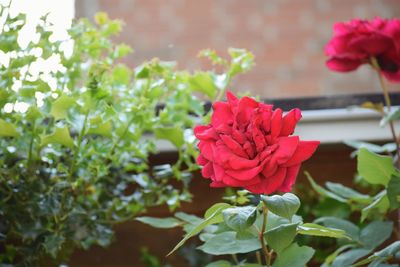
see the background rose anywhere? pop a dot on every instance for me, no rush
(354, 43)
(247, 144)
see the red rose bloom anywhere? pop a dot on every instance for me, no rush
(247, 144)
(354, 43)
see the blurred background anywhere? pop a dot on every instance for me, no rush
(287, 38)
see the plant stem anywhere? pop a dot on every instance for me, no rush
(78, 145)
(31, 144)
(388, 104)
(264, 248)
(122, 136)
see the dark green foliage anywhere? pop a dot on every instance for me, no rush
(75, 162)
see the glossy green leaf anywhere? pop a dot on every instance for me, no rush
(204, 82)
(393, 115)
(160, 222)
(375, 233)
(60, 136)
(240, 218)
(319, 230)
(285, 205)
(349, 257)
(350, 228)
(7, 129)
(393, 192)
(281, 237)
(322, 191)
(172, 134)
(294, 256)
(60, 107)
(348, 193)
(375, 169)
(100, 127)
(212, 215)
(380, 204)
(226, 243)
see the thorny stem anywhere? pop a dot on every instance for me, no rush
(264, 248)
(388, 104)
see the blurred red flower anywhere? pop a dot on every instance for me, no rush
(247, 144)
(358, 41)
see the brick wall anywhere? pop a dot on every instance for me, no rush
(286, 36)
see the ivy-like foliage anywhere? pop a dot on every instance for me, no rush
(75, 141)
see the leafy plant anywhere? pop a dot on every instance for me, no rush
(229, 229)
(75, 141)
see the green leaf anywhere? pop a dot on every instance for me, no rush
(294, 256)
(281, 237)
(394, 114)
(121, 75)
(122, 50)
(348, 193)
(350, 228)
(332, 256)
(240, 218)
(390, 147)
(380, 205)
(285, 205)
(160, 222)
(7, 129)
(220, 263)
(212, 215)
(60, 107)
(349, 257)
(226, 243)
(60, 136)
(375, 169)
(375, 233)
(319, 230)
(204, 83)
(384, 254)
(241, 61)
(172, 134)
(100, 127)
(322, 191)
(393, 192)
(53, 244)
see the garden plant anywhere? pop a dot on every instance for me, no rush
(249, 145)
(75, 141)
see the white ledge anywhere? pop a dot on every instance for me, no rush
(331, 126)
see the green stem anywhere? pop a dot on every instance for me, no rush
(31, 144)
(264, 248)
(78, 146)
(388, 104)
(122, 136)
(222, 91)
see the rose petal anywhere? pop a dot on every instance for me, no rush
(205, 132)
(291, 175)
(244, 174)
(207, 170)
(245, 109)
(231, 181)
(343, 64)
(286, 148)
(270, 184)
(201, 160)
(233, 146)
(207, 149)
(289, 122)
(304, 151)
(276, 123)
(222, 114)
(232, 99)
